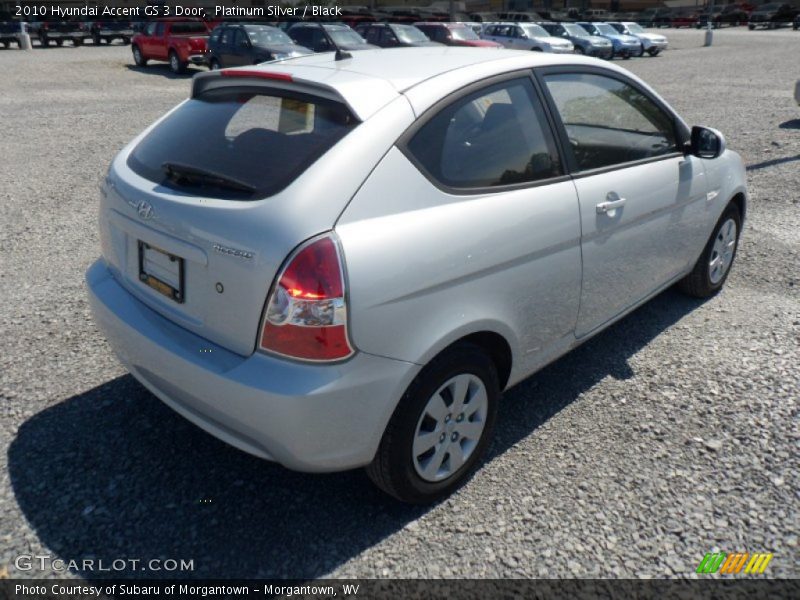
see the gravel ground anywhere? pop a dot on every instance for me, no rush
(670, 435)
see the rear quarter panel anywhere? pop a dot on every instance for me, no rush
(426, 268)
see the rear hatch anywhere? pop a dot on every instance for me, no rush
(200, 212)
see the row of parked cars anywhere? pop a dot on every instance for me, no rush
(182, 42)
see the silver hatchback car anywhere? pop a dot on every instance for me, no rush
(340, 261)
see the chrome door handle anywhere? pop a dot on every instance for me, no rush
(610, 205)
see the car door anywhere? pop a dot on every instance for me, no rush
(478, 221)
(158, 43)
(147, 40)
(642, 200)
(240, 48)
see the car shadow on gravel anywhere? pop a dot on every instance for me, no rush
(791, 124)
(163, 70)
(114, 474)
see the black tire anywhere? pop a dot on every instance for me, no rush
(59, 43)
(138, 58)
(214, 65)
(77, 42)
(175, 64)
(750, 26)
(698, 283)
(6, 44)
(44, 42)
(626, 56)
(126, 41)
(653, 51)
(392, 469)
(97, 40)
(536, 50)
(579, 50)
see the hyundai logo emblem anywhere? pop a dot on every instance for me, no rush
(145, 210)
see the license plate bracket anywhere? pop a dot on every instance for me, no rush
(162, 271)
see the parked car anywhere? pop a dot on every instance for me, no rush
(234, 45)
(327, 37)
(526, 36)
(108, 31)
(594, 14)
(772, 16)
(58, 31)
(175, 40)
(454, 34)
(393, 35)
(524, 17)
(653, 43)
(730, 14)
(302, 310)
(624, 45)
(683, 17)
(484, 17)
(796, 22)
(9, 30)
(582, 40)
(797, 92)
(655, 17)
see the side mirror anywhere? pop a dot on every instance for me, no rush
(706, 142)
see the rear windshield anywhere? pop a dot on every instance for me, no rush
(188, 28)
(229, 143)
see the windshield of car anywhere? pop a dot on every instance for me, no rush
(534, 30)
(265, 36)
(605, 29)
(409, 34)
(345, 37)
(250, 145)
(635, 28)
(463, 33)
(575, 30)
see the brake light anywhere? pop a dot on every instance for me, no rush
(306, 312)
(258, 74)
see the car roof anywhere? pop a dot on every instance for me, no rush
(370, 79)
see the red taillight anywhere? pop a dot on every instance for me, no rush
(306, 313)
(256, 73)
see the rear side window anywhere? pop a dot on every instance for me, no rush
(608, 121)
(496, 136)
(240, 144)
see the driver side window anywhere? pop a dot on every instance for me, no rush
(608, 121)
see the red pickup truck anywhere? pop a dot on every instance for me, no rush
(177, 41)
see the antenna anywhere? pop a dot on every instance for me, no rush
(342, 55)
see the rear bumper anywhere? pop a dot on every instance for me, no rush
(306, 417)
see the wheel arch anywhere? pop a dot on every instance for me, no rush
(487, 337)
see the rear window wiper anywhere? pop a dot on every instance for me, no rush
(180, 173)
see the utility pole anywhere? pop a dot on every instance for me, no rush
(709, 28)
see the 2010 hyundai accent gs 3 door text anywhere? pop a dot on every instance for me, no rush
(342, 263)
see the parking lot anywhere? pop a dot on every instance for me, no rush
(672, 434)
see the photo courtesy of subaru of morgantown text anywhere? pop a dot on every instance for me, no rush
(475, 291)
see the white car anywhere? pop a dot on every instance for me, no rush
(526, 36)
(339, 261)
(653, 43)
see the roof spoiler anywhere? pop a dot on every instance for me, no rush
(255, 77)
